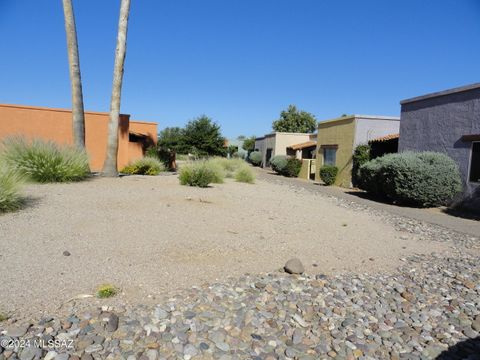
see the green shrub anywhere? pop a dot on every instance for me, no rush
(10, 183)
(245, 175)
(421, 179)
(255, 158)
(361, 156)
(279, 163)
(198, 173)
(328, 174)
(44, 161)
(369, 177)
(293, 167)
(145, 166)
(106, 290)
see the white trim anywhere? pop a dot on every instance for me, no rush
(470, 164)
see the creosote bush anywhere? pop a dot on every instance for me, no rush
(421, 179)
(328, 174)
(279, 163)
(106, 290)
(201, 173)
(245, 175)
(198, 173)
(10, 184)
(145, 166)
(255, 158)
(43, 161)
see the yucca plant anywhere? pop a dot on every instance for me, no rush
(10, 184)
(45, 161)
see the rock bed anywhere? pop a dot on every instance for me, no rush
(427, 309)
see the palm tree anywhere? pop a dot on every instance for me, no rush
(110, 165)
(78, 117)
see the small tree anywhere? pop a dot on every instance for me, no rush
(293, 120)
(172, 138)
(203, 137)
(249, 144)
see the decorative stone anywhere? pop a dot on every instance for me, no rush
(294, 266)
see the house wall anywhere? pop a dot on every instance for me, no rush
(279, 142)
(367, 129)
(338, 132)
(437, 123)
(56, 125)
(284, 140)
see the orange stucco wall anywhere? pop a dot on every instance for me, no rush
(56, 125)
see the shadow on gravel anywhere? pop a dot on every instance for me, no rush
(468, 349)
(462, 214)
(379, 199)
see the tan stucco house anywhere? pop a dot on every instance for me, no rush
(282, 143)
(338, 138)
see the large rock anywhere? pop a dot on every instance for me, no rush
(294, 266)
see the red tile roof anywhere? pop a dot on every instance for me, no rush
(386, 138)
(303, 145)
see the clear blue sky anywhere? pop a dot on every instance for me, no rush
(242, 61)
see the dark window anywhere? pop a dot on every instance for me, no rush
(268, 157)
(329, 156)
(475, 163)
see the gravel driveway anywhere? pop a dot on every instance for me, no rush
(150, 236)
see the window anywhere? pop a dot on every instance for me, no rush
(329, 156)
(475, 163)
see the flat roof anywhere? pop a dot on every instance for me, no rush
(357, 116)
(442, 93)
(283, 133)
(44, 108)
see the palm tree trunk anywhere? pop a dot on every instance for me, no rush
(110, 165)
(78, 117)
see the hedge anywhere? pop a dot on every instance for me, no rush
(421, 179)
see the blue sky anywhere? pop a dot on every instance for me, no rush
(242, 61)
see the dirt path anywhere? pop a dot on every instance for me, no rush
(150, 236)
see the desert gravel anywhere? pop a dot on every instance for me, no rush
(150, 236)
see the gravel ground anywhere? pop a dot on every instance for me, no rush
(150, 236)
(377, 286)
(428, 309)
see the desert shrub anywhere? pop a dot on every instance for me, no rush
(152, 152)
(145, 166)
(369, 177)
(328, 174)
(10, 183)
(198, 173)
(361, 156)
(421, 179)
(44, 161)
(106, 290)
(227, 166)
(245, 175)
(279, 163)
(293, 167)
(255, 158)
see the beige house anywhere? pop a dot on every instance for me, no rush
(282, 143)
